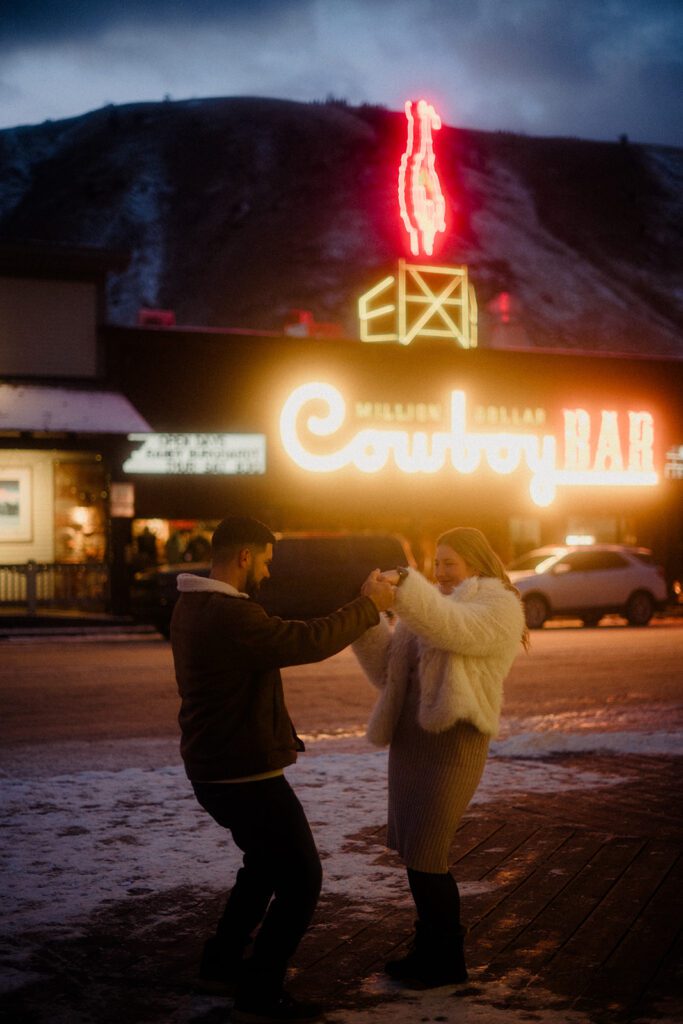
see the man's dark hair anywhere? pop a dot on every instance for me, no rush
(236, 532)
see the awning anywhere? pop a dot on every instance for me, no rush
(29, 407)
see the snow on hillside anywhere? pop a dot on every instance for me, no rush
(234, 211)
(557, 288)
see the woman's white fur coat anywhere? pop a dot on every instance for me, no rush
(467, 642)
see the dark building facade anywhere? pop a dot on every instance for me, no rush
(532, 446)
(120, 447)
(61, 431)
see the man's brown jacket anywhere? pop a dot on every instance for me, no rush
(228, 654)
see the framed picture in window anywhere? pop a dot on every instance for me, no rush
(16, 518)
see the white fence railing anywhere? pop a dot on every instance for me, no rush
(33, 586)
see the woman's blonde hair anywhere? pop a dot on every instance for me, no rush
(473, 547)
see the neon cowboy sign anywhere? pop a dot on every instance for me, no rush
(588, 459)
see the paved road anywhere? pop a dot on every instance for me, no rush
(568, 865)
(66, 689)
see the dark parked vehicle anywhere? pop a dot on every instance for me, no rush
(154, 592)
(312, 574)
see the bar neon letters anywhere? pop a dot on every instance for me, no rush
(371, 449)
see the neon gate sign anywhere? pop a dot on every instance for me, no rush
(587, 462)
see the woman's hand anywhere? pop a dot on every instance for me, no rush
(390, 576)
(379, 590)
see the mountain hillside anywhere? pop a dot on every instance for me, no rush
(236, 210)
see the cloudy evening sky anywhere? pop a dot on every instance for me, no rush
(587, 68)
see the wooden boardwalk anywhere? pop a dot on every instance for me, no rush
(573, 901)
(557, 904)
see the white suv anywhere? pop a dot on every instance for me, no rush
(589, 581)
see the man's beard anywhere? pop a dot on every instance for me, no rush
(252, 585)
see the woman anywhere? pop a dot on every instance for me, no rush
(440, 673)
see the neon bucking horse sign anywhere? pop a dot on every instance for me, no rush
(420, 199)
(422, 300)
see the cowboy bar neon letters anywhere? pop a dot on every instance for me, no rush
(370, 449)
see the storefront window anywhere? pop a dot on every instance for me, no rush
(80, 511)
(171, 540)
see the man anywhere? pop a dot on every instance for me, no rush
(237, 738)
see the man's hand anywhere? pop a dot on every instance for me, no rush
(379, 590)
(391, 576)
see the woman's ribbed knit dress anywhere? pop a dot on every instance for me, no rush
(432, 778)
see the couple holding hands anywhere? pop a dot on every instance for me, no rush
(439, 671)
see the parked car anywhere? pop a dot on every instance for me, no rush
(589, 581)
(311, 574)
(154, 592)
(314, 573)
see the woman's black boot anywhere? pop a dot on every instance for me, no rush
(404, 966)
(436, 958)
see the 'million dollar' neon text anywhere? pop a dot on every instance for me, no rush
(603, 462)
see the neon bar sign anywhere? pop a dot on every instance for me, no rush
(420, 199)
(602, 462)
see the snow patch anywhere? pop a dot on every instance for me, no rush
(559, 288)
(21, 151)
(80, 840)
(545, 744)
(475, 1003)
(144, 206)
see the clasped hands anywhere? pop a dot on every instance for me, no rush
(380, 587)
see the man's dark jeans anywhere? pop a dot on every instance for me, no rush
(279, 883)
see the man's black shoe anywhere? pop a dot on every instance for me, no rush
(219, 968)
(284, 1008)
(217, 985)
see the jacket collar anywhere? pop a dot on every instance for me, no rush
(471, 586)
(188, 582)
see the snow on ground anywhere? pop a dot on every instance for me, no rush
(483, 1003)
(537, 744)
(80, 840)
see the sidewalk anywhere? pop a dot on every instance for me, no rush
(572, 898)
(16, 623)
(574, 912)
(15, 617)
(60, 623)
